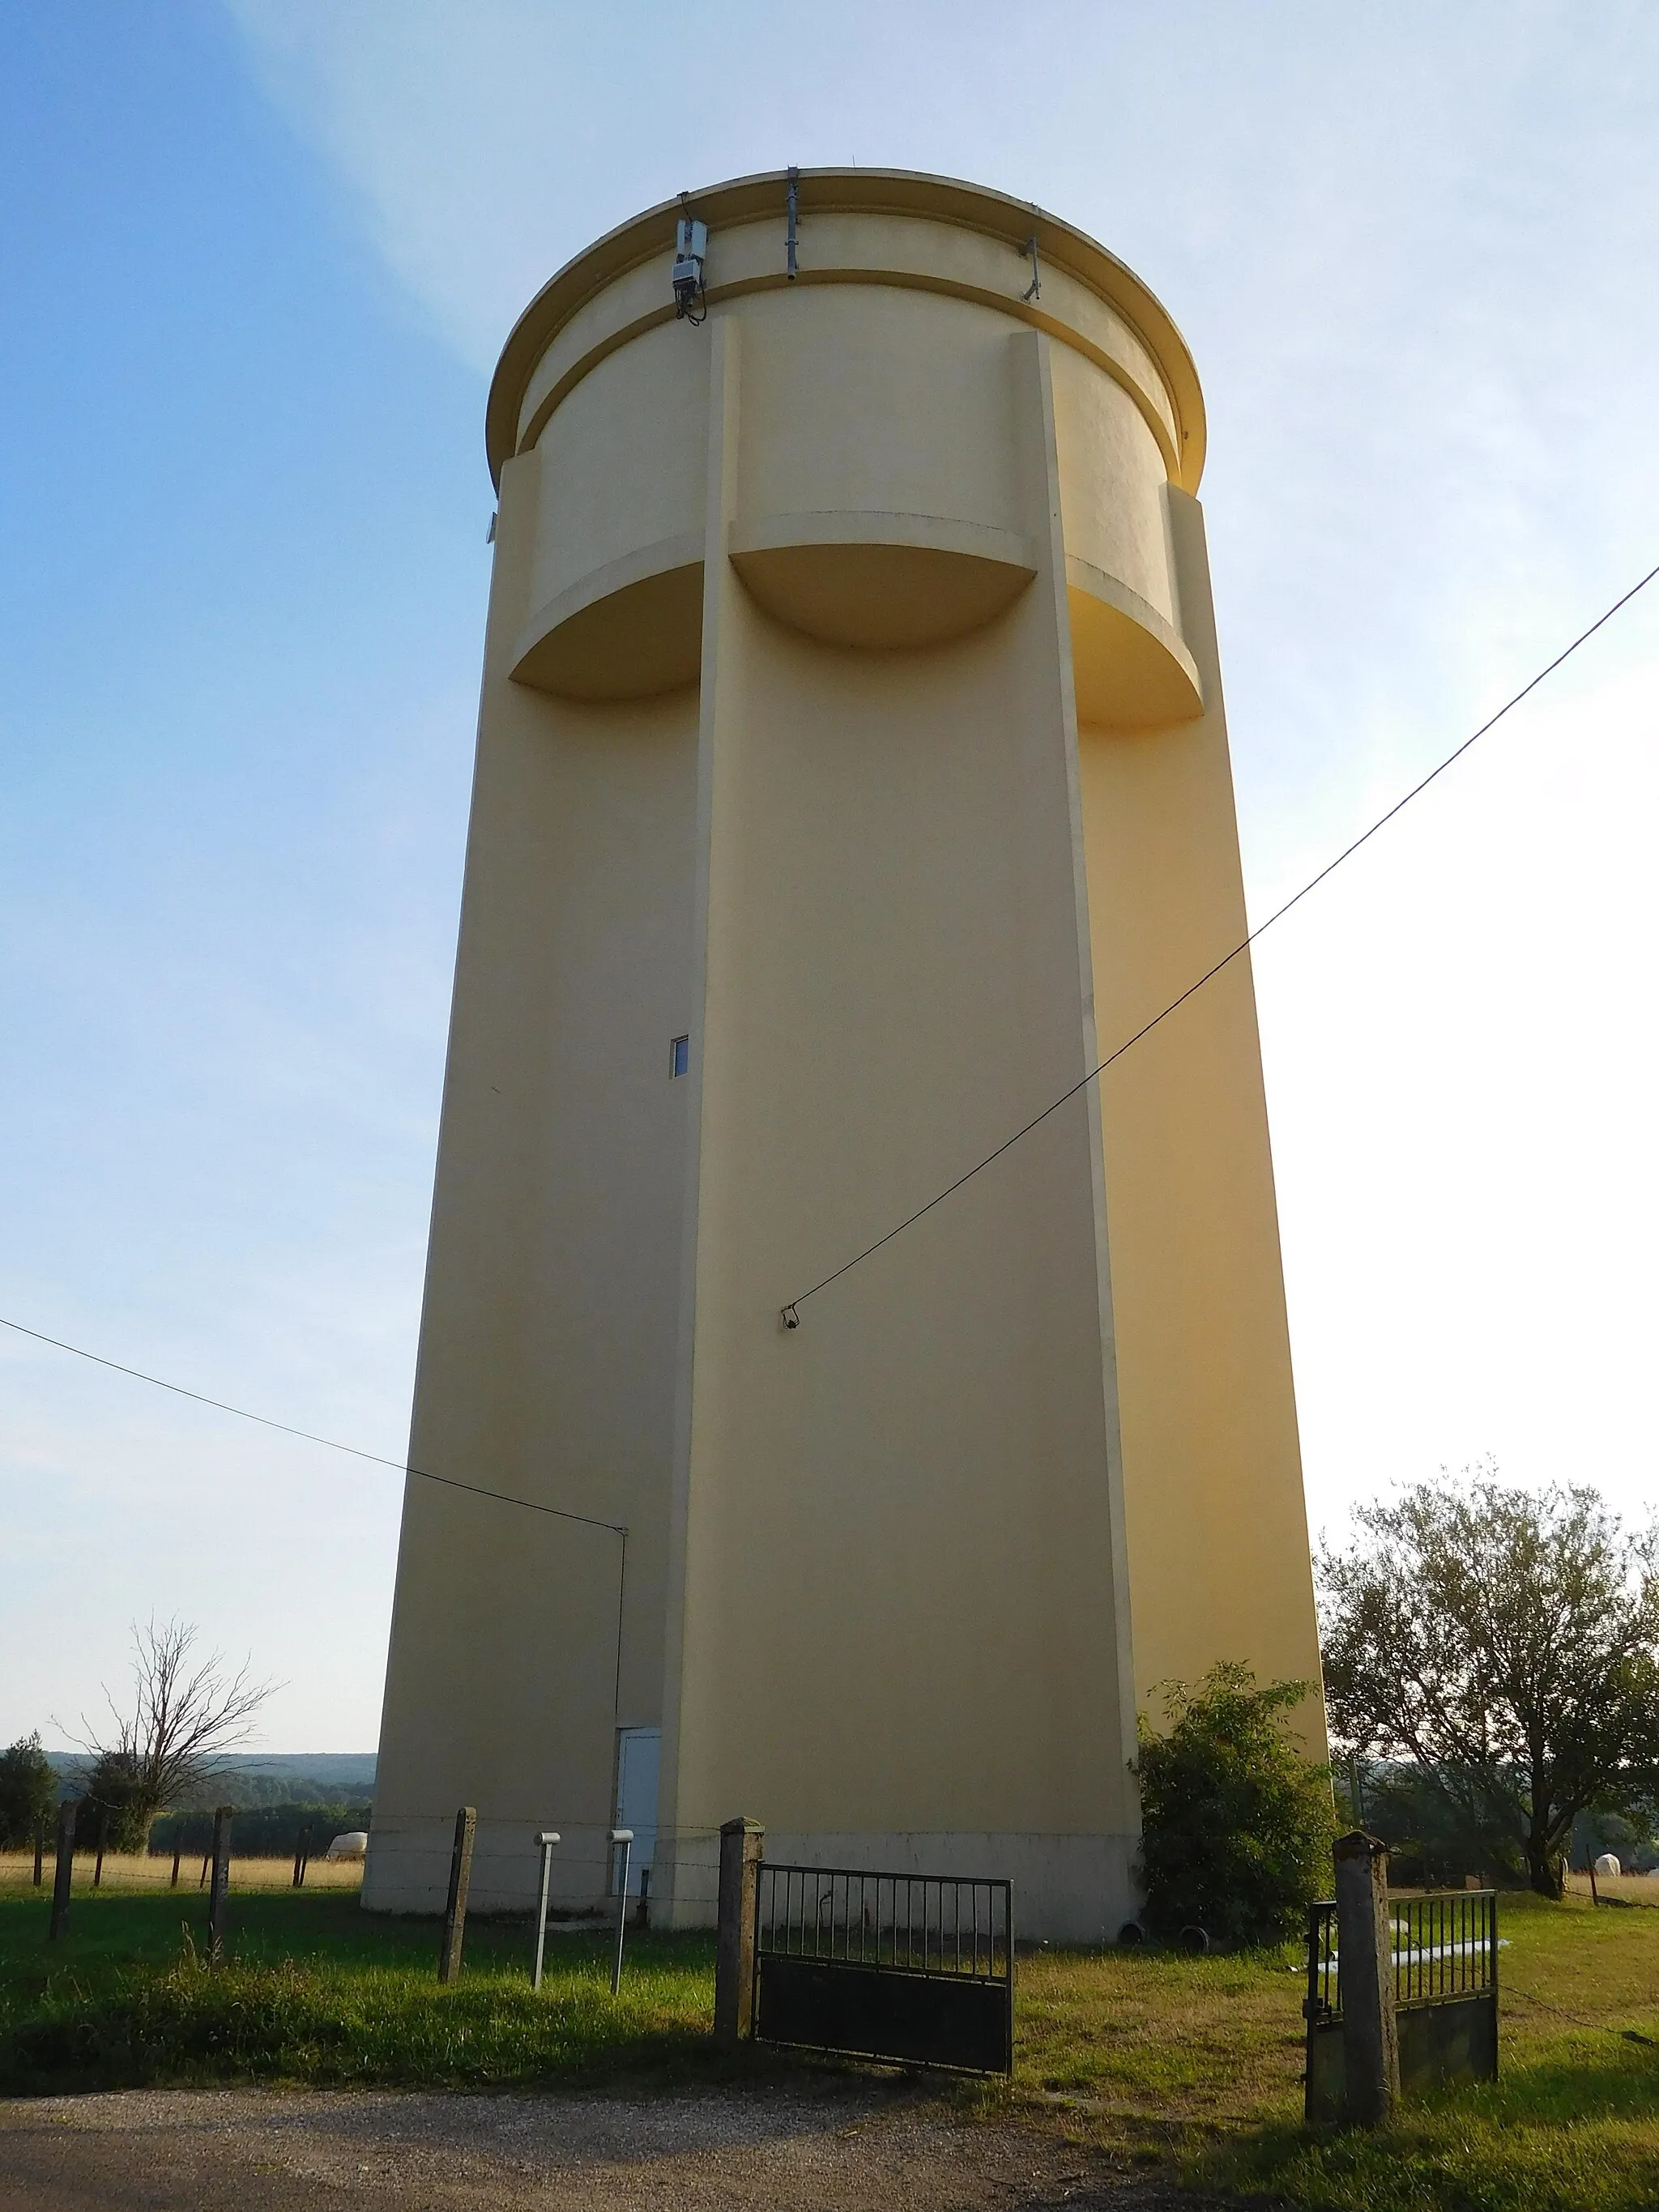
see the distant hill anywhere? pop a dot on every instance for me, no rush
(269, 1777)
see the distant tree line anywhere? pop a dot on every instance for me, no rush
(1434, 1841)
(260, 1830)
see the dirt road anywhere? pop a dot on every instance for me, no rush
(840, 2148)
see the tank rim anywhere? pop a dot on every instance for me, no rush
(850, 191)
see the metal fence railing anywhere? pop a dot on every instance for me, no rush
(1324, 1997)
(1444, 1946)
(1444, 1966)
(920, 1924)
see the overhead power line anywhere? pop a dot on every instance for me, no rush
(791, 1313)
(355, 1451)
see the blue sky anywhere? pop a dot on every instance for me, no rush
(258, 259)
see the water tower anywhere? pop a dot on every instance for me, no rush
(851, 777)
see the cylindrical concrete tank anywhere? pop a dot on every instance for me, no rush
(852, 780)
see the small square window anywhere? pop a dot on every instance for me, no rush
(679, 1056)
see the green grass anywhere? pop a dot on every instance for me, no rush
(1150, 2058)
(1573, 2125)
(316, 1990)
(1200, 2062)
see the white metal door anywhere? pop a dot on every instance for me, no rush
(636, 1796)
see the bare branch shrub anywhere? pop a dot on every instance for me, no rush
(187, 1712)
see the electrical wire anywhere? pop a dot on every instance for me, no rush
(449, 1481)
(791, 1314)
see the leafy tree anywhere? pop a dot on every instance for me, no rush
(186, 1713)
(115, 1807)
(1508, 1644)
(28, 1793)
(1236, 1825)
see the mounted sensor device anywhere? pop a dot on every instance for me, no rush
(690, 251)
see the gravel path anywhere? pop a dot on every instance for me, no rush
(840, 2148)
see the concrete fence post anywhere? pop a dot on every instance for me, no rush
(461, 1880)
(64, 1871)
(219, 1885)
(743, 1846)
(1365, 1950)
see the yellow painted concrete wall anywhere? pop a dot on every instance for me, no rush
(1218, 1560)
(898, 1621)
(548, 1339)
(896, 1578)
(603, 496)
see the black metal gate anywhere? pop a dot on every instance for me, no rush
(913, 1968)
(1445, 1993)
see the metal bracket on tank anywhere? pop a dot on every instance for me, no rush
(1028, 253)
(795, 211)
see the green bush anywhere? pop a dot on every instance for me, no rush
(28, 1793)
(117, 1805)
(1236, 1825)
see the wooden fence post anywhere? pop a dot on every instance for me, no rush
(743, 1846)
(177, 1855)
(65, 1868)
(40, 1848)
(219, 1887)
(103, 1832)
(1364, 1953)
(301, 1856)
(461, 1880)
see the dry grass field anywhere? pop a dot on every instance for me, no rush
(1618, 1888)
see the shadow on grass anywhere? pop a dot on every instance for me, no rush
(1574, 2133)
